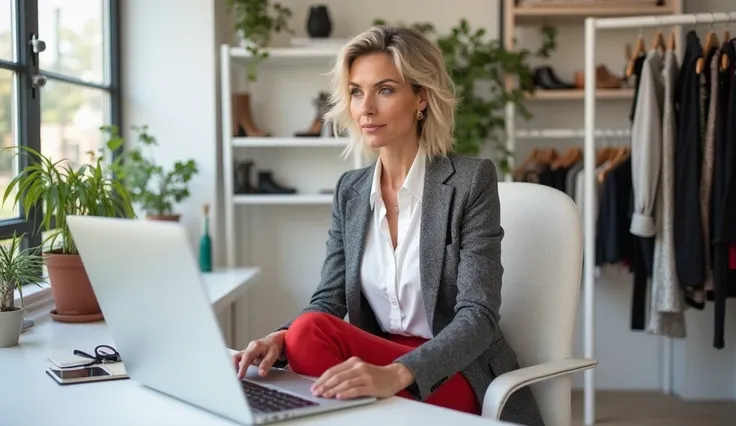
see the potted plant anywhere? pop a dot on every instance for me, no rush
(480, 67)
(17, 268)
(61, 190)
(255, 23)
(155, 189)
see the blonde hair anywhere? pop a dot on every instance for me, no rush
(420, 62)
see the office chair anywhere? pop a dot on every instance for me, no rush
(542, 258)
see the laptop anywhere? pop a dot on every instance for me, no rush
(151, 293)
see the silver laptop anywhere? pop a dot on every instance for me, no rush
(151, 293)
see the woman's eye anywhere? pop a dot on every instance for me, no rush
(385, 90)
(354, 92)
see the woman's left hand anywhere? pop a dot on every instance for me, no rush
(354, 378)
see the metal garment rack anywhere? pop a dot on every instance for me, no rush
(592, 25)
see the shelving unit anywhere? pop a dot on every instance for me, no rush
(232, 62)
(532, 13)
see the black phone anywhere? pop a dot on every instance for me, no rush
(80, 373)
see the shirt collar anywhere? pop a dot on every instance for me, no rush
(414, 182)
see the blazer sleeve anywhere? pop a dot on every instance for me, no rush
(329, 297)
(475, 325)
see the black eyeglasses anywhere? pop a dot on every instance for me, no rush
(103, 354)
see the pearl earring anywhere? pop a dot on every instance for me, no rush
(420, 114)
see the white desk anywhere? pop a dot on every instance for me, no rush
(32, 398)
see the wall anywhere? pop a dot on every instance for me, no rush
(170, 82)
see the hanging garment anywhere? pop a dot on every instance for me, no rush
(688, 229)
(724, 195)
(666, 305)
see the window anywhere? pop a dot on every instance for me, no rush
(76, 60)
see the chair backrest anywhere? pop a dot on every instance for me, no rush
(542, 253)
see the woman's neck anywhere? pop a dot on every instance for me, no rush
(395, 164)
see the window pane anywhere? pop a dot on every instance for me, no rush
(74, 34)
(71, 117)
(8, 104)
(7, 36)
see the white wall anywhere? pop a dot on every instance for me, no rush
(170, 69)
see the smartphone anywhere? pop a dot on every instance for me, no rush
(80, 373)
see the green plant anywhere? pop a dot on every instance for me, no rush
(482, 70)
(255, 22)
(61, 191)
(151, 186)
(18, 267)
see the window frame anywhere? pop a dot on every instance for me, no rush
(28, 118)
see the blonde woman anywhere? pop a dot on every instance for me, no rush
(414, 250)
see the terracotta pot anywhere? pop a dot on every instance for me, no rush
(11, 323)
(70, 286)
(164, 217)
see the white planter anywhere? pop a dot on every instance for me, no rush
(10, 326)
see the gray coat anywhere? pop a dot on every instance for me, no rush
(461, 276)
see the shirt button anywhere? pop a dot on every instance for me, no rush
(393, 303)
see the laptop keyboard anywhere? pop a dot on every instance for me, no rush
(267, 400)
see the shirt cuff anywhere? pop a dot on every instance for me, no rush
(642, 225)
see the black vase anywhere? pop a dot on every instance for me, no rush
(319, 24)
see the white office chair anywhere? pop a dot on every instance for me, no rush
(542, 259)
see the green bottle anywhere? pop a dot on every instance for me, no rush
(205, 244)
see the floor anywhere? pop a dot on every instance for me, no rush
(653, 409)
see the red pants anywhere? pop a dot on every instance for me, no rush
(316, 342)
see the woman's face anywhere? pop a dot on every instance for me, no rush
(383, 106)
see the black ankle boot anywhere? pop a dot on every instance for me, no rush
(242, 177)
(267, 184)
(545, 78)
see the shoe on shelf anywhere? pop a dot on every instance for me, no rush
(546, 78)
(243, 125)
(268, 185)
(318, 128)
(604, 79)
(242, 177)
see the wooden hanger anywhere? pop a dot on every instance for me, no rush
(530, 158)
(658, 42)
(671, 41)
(567, 159)
(618, 155)
(639, 49)
(711, 40)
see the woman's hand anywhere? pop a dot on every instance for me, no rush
(354, 378)
(262, 352)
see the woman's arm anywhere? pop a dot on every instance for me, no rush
(330, 294)
(475, 325)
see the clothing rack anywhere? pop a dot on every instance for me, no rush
(592, 25)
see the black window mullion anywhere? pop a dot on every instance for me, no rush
(116, 105)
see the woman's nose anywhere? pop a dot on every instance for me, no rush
(368, 107)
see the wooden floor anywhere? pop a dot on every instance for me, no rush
(653, 409)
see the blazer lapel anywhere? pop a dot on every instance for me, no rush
(357, 218)
(435, 218)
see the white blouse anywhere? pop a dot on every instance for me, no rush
(390, 278)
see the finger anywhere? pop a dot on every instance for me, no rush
(354, 392)
(249, 356)
(268, 360)
(339, 378)
(345, 385)
(330, 372)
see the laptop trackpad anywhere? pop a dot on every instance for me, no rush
(283, 380)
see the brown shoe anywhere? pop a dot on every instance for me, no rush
(604, 79)
(243, 124)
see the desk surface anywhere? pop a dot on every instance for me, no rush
(35, 399)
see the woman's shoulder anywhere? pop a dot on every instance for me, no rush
(469, 168)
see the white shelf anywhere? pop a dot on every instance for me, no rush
(295, 142)
(286, 55)
(287, 199)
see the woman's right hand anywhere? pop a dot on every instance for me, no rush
(262, 352)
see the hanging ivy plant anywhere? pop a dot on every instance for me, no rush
(479, 67)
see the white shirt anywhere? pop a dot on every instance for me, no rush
(390, 278)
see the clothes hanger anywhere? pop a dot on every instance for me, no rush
(658, 42)
(725, 61)
(671, 41)
(532, 155)
(711, 40)
(639, 49)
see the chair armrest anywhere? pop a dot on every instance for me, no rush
(504, 385)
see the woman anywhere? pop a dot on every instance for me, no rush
(413, 253)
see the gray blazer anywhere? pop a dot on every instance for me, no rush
(461, 276)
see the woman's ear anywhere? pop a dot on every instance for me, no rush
(422, 99)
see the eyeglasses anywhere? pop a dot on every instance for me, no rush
(103, 354)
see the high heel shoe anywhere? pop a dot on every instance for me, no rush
(243, 124)
(242, 184)
(318, 127)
